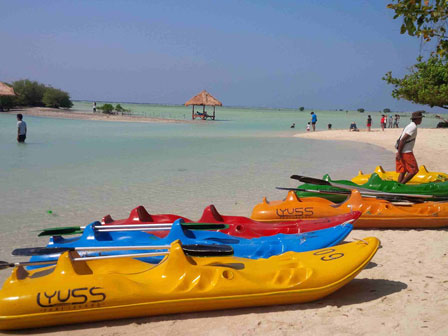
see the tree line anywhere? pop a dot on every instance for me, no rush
(32, 93)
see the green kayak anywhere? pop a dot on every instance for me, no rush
(375, 183)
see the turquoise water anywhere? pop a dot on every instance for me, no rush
(82, 170)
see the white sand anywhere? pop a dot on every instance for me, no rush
(404, 291)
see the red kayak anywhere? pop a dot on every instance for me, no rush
(239, 226)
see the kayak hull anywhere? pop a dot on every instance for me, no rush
(239, 226)
(423, 176)
(375, 213)
(111, 289)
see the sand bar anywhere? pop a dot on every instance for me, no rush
(83, 115)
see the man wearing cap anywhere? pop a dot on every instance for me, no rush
(405, 161)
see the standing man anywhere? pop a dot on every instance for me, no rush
(391, 119)
(313, 120)
(405, 161)
(383, 121)
(21, 128)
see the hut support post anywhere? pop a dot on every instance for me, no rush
(214, 112)
(192, 113)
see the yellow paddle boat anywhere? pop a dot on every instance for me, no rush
(75, 291)
(423, 176)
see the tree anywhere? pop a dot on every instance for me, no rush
(425, 19)
(361, 110)
(427, 83)
(56, 98)
(301, 108)
(386, 110)
(28, 93)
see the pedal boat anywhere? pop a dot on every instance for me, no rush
(86, 291)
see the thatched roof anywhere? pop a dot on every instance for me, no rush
(6, 90)
(204, 98)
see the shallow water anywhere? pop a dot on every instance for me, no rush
(82, 170)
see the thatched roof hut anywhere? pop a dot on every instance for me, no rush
(6, 90)
(203, 99)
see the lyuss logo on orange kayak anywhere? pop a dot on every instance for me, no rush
(75, 296)
(295, 212)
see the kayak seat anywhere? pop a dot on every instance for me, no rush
(211, 215)
(139, 214)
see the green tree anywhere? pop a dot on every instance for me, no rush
(107, 108)
(426, 84)
(28, 93)
(301, 108)
(386, 110)
(119, 108)
(425, 19)
(56, 98)
(361, 110)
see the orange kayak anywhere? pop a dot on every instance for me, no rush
(376, 213)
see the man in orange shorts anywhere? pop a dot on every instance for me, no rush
(405, 161)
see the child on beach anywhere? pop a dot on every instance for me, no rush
(383, 121)
(308, 126)
(369, 122)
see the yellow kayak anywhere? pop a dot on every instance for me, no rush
(375, 213)
(423, 176)
(81, 291)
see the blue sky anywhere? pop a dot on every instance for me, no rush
(318, 54)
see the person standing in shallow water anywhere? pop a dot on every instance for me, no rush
(313, 120)
(369, 122)
(21, 129)
(405, 162)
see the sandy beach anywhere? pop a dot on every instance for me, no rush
(403, 291)
(47, 112)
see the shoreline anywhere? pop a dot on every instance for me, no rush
(430, 148)
(47, 112)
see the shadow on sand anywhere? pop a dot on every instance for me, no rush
(357, 291)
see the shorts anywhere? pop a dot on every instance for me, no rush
(406, 164)
(21, 138)
(313, 123)
(369, 125)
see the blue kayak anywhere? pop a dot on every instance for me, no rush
(255, 248)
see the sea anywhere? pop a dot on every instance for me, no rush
(74, 172)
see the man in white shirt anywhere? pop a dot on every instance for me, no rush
(405, 161)
(21, 128)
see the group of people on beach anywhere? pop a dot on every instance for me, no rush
(389, 122)
(311, 124)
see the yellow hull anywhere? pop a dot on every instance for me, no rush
(423, 176)
(376, 213)
(75, 292)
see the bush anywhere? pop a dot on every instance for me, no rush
(119, 108)
(107, 108)
(301, 108)
(56, 98)
(6, 103)
(386, 110)
(361, 110)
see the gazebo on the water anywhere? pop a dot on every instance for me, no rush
(203, 99)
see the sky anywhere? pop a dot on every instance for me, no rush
(320, 54)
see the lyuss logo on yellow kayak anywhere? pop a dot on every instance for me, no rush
(75, 296)
(295, 212)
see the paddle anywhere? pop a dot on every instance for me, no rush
(131, 227)
(391, 199)
(316, 181)
(194, 250)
